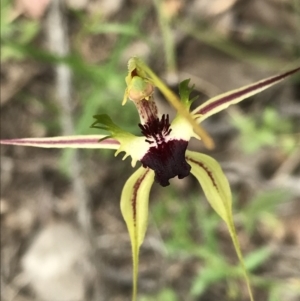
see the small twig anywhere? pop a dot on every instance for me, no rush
(288, 165)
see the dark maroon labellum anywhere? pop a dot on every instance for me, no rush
(166, 157)
(168, 161)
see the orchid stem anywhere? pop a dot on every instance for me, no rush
(168, 40)
(237, 247)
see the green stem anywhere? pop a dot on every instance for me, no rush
(237, 247)
(169, 47)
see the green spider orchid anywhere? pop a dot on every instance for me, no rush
(162, 149)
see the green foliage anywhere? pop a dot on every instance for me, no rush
(216, 40)
(164, 295)
(194, 221)
(262, 208)
(272, 130)
(22, 32)
(279, 292)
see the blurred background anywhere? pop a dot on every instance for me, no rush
(62, 234)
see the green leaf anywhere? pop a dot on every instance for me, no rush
(208, 276)
(257, 258)
(217, 191)
(134, 208)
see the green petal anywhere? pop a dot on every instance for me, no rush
(132, 145)
(217, 191)
(181, 127)
(84, 141)
(223, 101)
(134, 208)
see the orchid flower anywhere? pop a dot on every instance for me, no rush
(162, 149)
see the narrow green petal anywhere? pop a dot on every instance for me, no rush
(222, 101)
(84, 141)
(132, 145)
(134, 208)
(217, 191)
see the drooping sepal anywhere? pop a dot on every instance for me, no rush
(134, 208)
(217, 191)
(213, 181)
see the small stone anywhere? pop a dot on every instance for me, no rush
(57, 264)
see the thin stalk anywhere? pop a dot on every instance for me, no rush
(168, 40)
